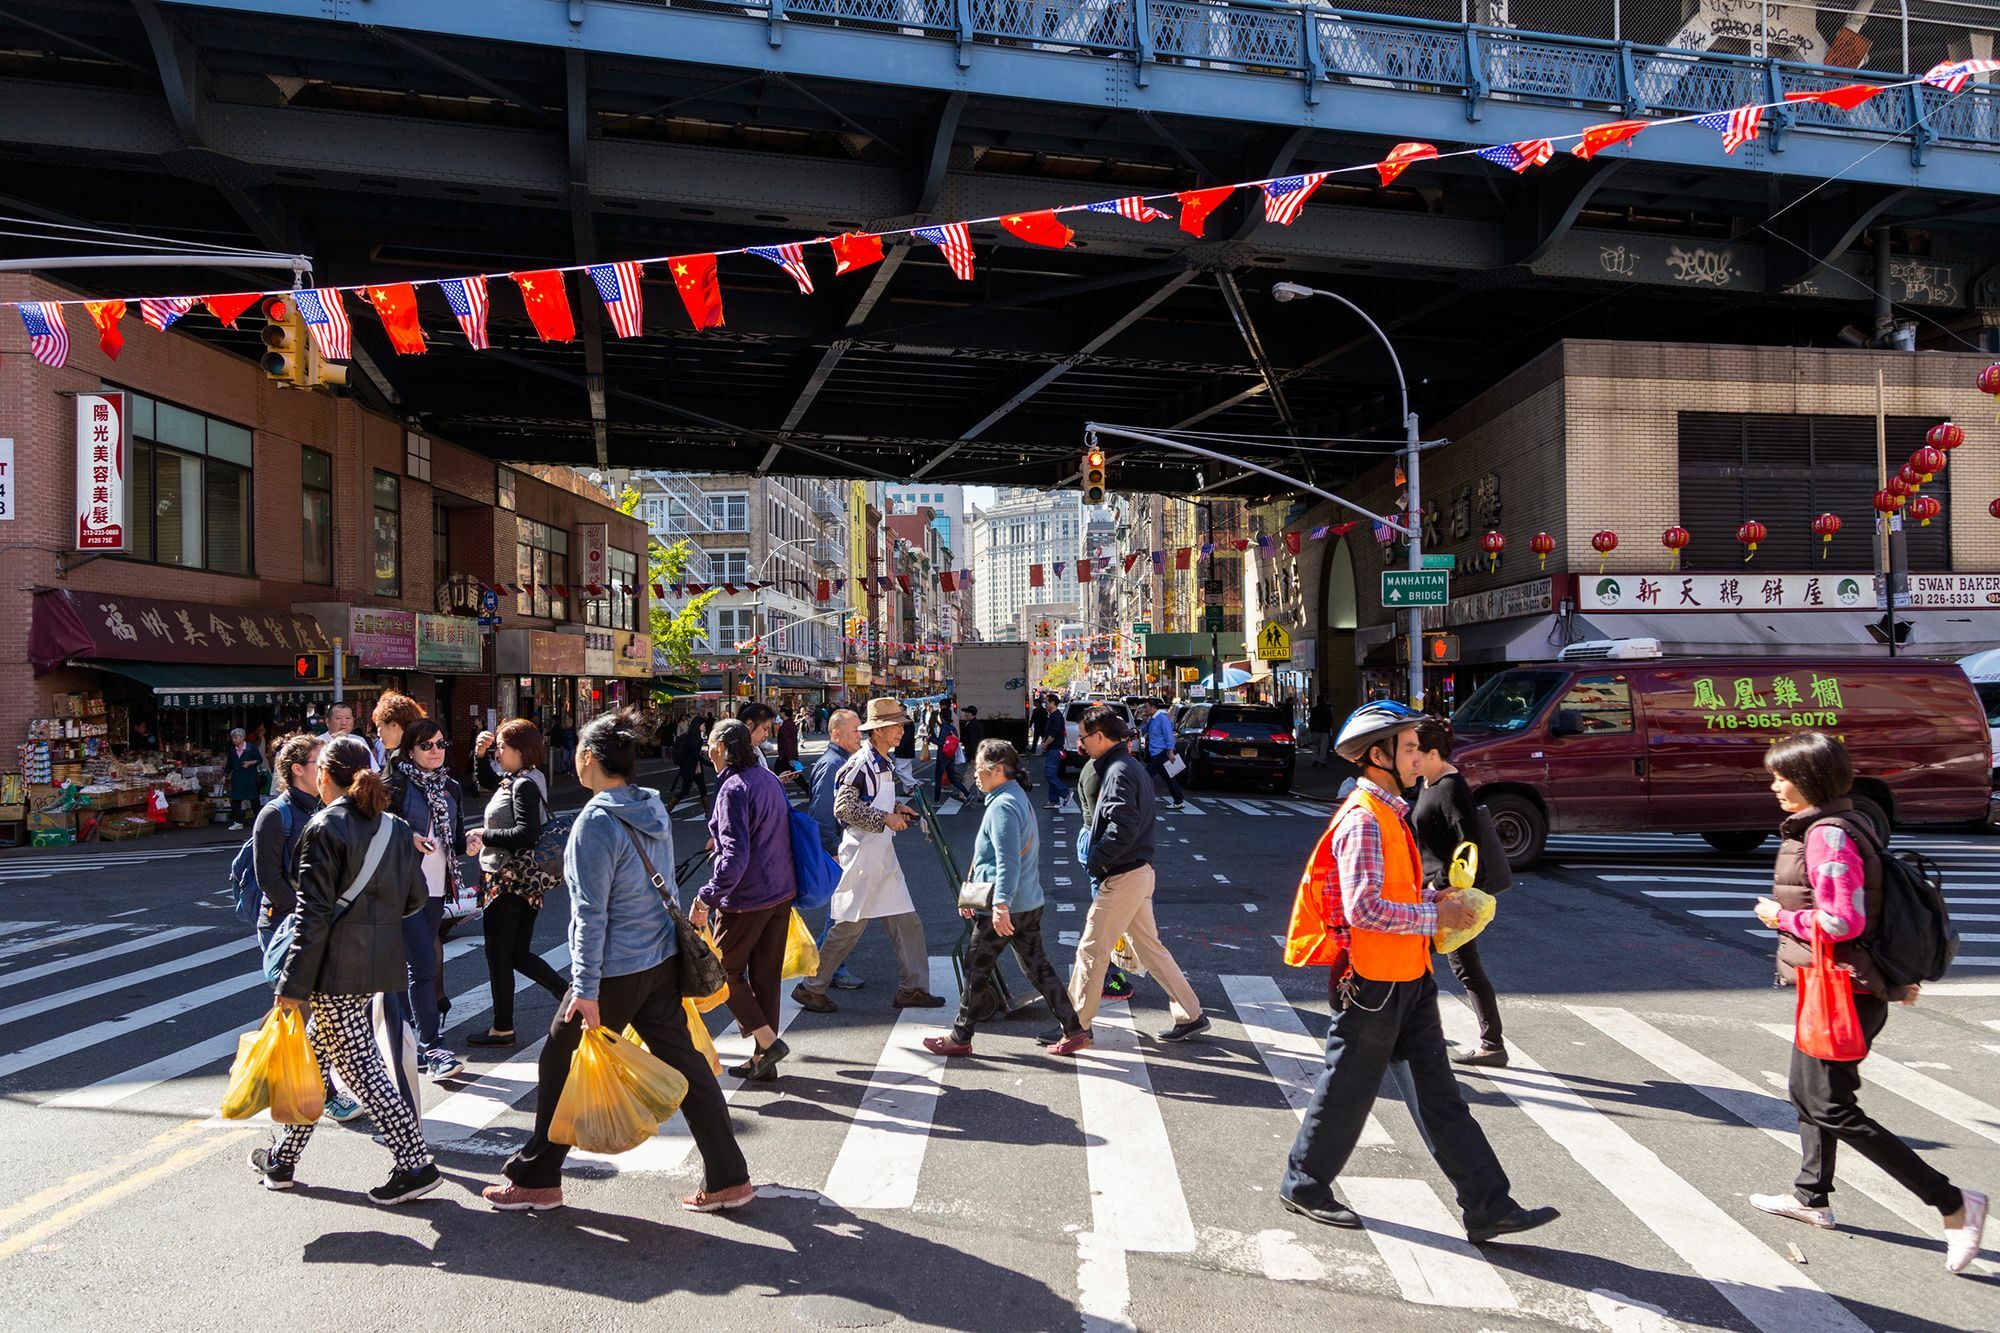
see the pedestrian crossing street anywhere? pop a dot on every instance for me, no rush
(1197, 804)
(1146, 1149)
(1685, 876)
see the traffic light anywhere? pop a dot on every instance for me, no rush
(1093, 476)
(289, 355)
(1440, 649)
(312, 667)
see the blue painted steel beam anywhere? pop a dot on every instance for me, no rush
(1519, 85)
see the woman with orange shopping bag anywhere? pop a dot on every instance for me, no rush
(1826, 904)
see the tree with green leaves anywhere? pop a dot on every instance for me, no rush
(676, 633)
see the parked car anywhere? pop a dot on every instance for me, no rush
(1073, 712)
(1677, 745)
(1250, 743)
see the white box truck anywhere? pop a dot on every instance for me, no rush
(993, 677)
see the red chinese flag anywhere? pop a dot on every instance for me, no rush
(105, 315)
(948, 581)
(1846, 98)
(1130, 561)
(1196, 205)
(1184, 557)
(1401, 158)
(903, 582)
(854, 250)
(1241, 544)
(1034, 576)
(396, 303)
(227, 308)
(1292, 542)
(822, 590)
(1043, 228)
(700, 289)
(1597, 138)
(1083, 571)
(543, 292)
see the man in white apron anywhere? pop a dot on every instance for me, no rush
(871, 878)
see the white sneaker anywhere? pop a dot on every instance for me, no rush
(1784, 1205)
(235, 828)
(1961, 1244)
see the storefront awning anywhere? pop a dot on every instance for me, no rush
(192, 685)
(1932, 633)
(69, 625)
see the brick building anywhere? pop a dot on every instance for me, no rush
(298, 512)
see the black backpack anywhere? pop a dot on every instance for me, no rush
(1914, 941)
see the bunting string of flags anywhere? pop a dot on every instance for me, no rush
(619, 285)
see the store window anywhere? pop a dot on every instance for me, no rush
(190, 489)
(316, 517)
(729, 511)
(541, 557)
(440, 544)
(417, 455)
(388, 535)
(624, 589)
(733, 625)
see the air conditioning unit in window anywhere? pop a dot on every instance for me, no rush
(1611, 650)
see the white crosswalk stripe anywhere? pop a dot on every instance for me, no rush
(883, 1153)
(62, 937)
(1941, 1099)
(125, 981)
(149, 940)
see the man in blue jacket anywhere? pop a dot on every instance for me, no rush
(843, 738)
(1159, 735)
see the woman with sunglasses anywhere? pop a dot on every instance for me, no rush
(425, 796)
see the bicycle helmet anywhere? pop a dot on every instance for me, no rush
(1371, 723)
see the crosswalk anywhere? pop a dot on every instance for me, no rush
(1588, 1105)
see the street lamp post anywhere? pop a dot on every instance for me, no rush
(1292, 291)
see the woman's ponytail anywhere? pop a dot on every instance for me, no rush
(368, 792)
(348, 761)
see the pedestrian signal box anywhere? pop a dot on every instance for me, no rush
(1439, 649)
(1093, 476)
(312, 666)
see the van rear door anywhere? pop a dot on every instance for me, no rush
(1595, 743)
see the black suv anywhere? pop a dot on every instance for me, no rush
(1249, 742)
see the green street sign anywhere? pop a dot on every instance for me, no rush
(1440, 562)
(1415, 587)
(1142, 627)
(1214, 620)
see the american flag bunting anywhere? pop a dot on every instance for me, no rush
(1285, 199)
(326, 321)
(1518, 157)
(467, 299)
(1953, 75)
(1132, 207)
(162, 311)
(1737, 127)
(48, 336)
(618, 287)
(955, 239)
(792, 259)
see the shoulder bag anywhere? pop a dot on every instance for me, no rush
(287, 930)
(701, 970)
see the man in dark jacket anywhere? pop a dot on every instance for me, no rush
(1121, 859)
(688, 759)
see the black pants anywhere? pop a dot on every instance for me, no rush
(1156, 764)
(691, 776)
(1471, 974)
(1393, 1021)
(651, 1002)
(1823, 1092)
(509, 922)
(982, 955)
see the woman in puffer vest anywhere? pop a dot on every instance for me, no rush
(1829, 881)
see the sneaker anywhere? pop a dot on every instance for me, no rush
(1050, 805)
(1182, 1031)
(1961, 1243)
(917, 999)
(812, 1001)
(404, 1186)
(1117, 986)
(846, 980)
(714, 1201)
(1074, 1042)
(340, 1109)
(507, 1197)
(277, 1177)
(438, 1062)
(235, 828)
(1493, 1057)
(1784, 1205)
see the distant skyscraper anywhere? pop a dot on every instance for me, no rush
(1020, 529)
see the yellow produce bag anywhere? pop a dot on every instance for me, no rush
(275, 1068)
(249, 1089)
(708, 1003)
(616, 1095)
(1445, 941)
(698, 1033)
(801, 954)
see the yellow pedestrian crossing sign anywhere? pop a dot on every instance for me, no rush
(1274, 643)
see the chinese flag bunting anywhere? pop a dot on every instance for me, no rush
(660, 591)
(822, 591)
(227, 308)
(1184, 557)
(855, 250)
(105, 315)
(543, 292)
(1034, 576)
(948, 581)
(1130, 561)
(1292, 542)
(1401, 158)
(1083, 571)
(562, 591)
(396, 303)
(1196, 205)
(1241, 544)
(903, 582)
(1597, 138)
(700, 289)
(1846, 98)
(1043, 228)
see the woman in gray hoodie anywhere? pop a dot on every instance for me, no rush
(625, 968)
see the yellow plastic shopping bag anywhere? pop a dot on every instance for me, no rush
(249, 1089)
(698, 1033)
(801, 954)
(1482, 903)
(1464, 872)
(707, 1003)
(616, 1095)
(275, 1068)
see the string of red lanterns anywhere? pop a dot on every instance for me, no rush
(1675, 539)
(1543, 545)
(1826, 526)
(1751, 535)
(1604, 543)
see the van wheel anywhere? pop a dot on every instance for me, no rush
(1878, 818)
(1521, 827)
(1740, 843)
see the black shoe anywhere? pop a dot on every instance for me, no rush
(1332, 1213)
(490, 1039)
(812, 1001)
(1182, 1031)
(1494, 1057)
(917, 999)
(276, 1177)
(1518, 1219)
(407, 1185)
(762, 1066)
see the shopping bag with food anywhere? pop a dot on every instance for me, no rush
(616, 1095)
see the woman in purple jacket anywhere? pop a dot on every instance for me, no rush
(750, 889)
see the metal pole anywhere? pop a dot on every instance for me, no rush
(289, 262)
(1214, 639)
(1885, 568)
(1416, 511)
(339, 675)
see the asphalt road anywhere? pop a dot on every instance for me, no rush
(1134, 1187)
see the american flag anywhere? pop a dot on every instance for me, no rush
(618, 285)
(1285, 199)
(467, 299)
(1736, 127)
(326, 321)
(1131, 207)
(955, 239)
(1519, 157)
(1953, 75)
(48, 336)
(162, 311)
(792, 259)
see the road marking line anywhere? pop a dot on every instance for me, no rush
(29, 946)
(1189, 808)
(63, 999)
(1300, 808)
(1065, 907)
(1768, 1290)
(1424, 1245)
(1103, 1287)
(1245, 807)
(1136, 1202)
(1979, 990)
(1286, 1260)
(118, 950)
(1221, 878)
(19, 927)
(1069, 938)
(50, 1195)
(1288, 1051)
(1961, 1108)
(110, 1194)
(669, 1148)
(883, 1153)
(1249, 907)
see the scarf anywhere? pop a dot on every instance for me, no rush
(431, 783)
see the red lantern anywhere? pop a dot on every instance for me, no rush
(1543, 545)
(1910, 477)
(1493, 543)
(1750, 534)
(1888, 502)
(1604, 543)
(1993, 508)
(1925, 508)
(1945, 435)
(1675, 539)
(1928, 462)
(1989, 380)
(1826, 525)
(1900, 489)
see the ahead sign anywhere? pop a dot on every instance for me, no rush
(1274, 643)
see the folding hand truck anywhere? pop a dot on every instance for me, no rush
(996, 997)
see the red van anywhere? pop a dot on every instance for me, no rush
(1632, 742)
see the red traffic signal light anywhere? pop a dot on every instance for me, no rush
(309, 666)
(1093, 476)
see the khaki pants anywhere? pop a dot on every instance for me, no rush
(1124, 906)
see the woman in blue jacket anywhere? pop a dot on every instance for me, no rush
(1005, 857)
(624, 968)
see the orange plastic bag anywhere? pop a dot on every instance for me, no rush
(709, 1003)
(616, 1096)
(275, 1068)
(801, 954)
(698, 1033)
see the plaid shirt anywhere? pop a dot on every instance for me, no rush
(1353, 893)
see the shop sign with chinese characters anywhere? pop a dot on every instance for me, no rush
(448, 643)
(1673, 591)
(82, 625)
(591, 542)
(100, 471)
(6, 481)
(382, 638)
(1784, 700)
